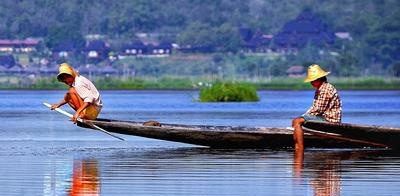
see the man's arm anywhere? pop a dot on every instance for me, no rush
(79, 110)
(57, 105)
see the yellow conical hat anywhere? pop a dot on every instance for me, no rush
(65, 68)
(314, 72)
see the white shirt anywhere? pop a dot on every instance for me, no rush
(87, 91)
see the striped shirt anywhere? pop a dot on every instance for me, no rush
(87, 91)
(327, 104)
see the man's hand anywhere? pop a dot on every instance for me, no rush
(75, 117)
(54, 106)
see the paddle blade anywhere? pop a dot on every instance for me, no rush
(61, 111)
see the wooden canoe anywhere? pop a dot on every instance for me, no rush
(389, 136)
(222, 136)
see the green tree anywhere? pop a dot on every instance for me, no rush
(227, 38)
(348, 65)
(197, 34)
(383, 44)
(58, 35)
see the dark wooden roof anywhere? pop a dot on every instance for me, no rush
(306, 28)
(165, 45)
(64, 46)
(96, 45)
(135, 44)
(254, 40)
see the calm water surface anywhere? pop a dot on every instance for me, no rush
(42, 153)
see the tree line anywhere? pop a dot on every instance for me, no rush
(374, 25)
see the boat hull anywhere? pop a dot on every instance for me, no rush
(389, 136)
(220, 136)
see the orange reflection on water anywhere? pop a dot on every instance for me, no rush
(326, 170)
(327, 181)
(85, 178)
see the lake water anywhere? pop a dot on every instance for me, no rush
(42, 153)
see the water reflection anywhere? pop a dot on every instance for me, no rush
(324, 168)
(327, 179)
(85, 178)
(203, 171)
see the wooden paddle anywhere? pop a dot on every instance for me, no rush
(340, 137)
(84, 121)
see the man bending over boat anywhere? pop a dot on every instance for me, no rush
(82, 95)
(327, 105)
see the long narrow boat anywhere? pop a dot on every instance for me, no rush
(389, 136)
(249, 137)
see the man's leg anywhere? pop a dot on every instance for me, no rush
(73, 99)
(298, 133)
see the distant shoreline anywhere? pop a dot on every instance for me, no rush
(278, 83)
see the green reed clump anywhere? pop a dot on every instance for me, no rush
(228, 92)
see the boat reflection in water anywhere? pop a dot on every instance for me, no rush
(85, 178)
(327, 178)
(185, 171)
(326, 172)
(324, 168)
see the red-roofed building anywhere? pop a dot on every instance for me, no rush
(295, 71)
(28, 45)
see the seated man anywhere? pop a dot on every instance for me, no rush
(327, 105)
(82, 95)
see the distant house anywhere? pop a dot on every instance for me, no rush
(138, 48)
(162, 49)
(295, 71)
(305, 29)
(255, 42)
(135, 48)
(28, 45)
(96, 50)
(343, 35)
(63, 50)
(7, 61)
(108, 70)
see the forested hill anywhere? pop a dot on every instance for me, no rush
(373, 24)
(40, 18)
